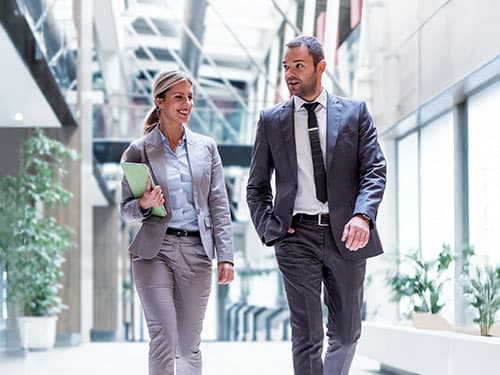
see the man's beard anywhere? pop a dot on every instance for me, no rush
(303, 89)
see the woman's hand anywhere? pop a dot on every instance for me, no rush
(151, 197)
(226, 272)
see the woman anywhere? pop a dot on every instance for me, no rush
(172, 255)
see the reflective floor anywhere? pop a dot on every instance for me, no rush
(236, 358)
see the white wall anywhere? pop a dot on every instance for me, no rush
(421, 47)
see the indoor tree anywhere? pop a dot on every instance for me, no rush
(32, 242)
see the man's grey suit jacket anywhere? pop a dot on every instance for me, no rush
(209, 193)
(355, 169)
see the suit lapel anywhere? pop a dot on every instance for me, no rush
(157, 159)
(333, 116)
(195, 154)
(287, 127)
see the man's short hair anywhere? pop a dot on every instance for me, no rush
(313, 45)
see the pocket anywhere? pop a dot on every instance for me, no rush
(200, 252)
(134, 257)
(286, 236)
(280, 240)
(197, 259)
(279, 247)
(152, 219)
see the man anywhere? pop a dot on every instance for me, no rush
(330, 179)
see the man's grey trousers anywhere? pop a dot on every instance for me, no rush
(309, 259)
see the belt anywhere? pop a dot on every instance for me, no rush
(322, 220)
(183, 232)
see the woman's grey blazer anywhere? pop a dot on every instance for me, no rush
(209, 193)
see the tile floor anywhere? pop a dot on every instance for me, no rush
(220, 358)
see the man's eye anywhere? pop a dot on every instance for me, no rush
(300, 66)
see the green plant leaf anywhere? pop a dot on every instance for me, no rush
(423, 284)
(31, 241)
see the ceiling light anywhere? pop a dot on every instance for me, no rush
(19, 117)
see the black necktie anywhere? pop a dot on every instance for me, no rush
(317, 156)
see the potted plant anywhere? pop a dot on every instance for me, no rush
(482, 291)
(32, 242)
(423, 286)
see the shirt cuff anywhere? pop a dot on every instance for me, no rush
(366, 217)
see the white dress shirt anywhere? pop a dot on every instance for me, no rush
(306, 201)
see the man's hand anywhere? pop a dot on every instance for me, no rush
(356, 233)
(226, 272)
(151, 197)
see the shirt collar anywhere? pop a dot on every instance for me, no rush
(183, 139)
(298, 101)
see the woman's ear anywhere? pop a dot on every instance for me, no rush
(158, 102)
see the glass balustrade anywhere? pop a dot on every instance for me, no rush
(52, 25)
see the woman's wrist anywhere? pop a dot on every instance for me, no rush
(142, 205)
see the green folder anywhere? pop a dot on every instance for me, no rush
(137, 175)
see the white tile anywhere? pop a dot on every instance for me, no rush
(219, 358)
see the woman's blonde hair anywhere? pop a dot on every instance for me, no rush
(163, 82)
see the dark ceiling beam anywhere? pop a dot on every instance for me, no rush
(110, 151)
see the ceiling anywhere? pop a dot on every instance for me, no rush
(236, 39)
(21, 96)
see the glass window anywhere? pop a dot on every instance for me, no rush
(408, 200)
(484, 172)
(437, 184)
(438, 197)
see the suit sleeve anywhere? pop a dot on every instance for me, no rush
(130, 209)
(218, 205)
(372, 167)
(259, 192)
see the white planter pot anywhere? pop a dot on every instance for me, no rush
(431, 321)
(37, 332)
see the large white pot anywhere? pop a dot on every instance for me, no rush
(37, 332)
(431, 321)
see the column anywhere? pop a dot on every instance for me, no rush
(331, 35)
(309, 17)
(106, 275)
(75, 323)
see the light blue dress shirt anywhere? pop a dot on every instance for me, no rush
(180, 187)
